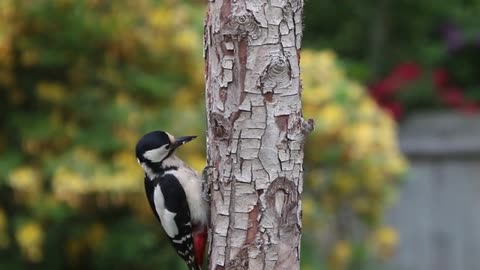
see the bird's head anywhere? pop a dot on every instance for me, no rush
(154, 147)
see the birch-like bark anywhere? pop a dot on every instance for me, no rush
(255, 132)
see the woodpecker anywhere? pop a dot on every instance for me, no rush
(174, 192)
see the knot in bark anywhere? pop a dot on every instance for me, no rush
(276, 75)
(246, 25)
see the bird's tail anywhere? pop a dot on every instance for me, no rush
(193, 266)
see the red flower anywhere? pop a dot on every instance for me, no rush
(383, 89)
(452, 96)
(470, 107)
(395, 109)
(440, 78)
(407, 71)
(400, 76)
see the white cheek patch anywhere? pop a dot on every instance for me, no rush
(156, 155)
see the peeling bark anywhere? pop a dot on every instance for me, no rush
(255, 132)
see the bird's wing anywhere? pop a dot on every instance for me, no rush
(167, 193)
(149, 188)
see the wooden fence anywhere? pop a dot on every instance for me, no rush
(438, 212)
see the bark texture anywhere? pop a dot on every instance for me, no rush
(255, 132)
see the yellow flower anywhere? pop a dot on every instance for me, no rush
(30, 238)
(66, 183)
(317, 95)
(331, 117)
(25, 179)
(128, 136)
(184, 98)
(95, 235)
(374, 179)
(161, 18)
(386, 241)
(348, 119)
(316, 178)
(367, 108)
(29, 58)
(361, 205)
(51, 91)
(341, 255)
(122, 99)
(85, 155)
(395, 164)
(124, 159)
(186, 40)
(345, 183)
(4, 241)
(3, 220)
(360, 136)
(6, 55)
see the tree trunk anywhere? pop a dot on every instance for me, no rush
(255, 132)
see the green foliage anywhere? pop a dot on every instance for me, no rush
(352, 169)
(377, 35)
(83, 80)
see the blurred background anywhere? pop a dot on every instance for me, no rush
(392, 168)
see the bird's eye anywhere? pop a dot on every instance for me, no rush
(167, 147)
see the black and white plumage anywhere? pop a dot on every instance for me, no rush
(174, 192)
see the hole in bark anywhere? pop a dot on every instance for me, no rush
(223, 94)
(219, 131)
(282, 122)
(268, 96)
(220, 126)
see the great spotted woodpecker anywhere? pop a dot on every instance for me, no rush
(174, 192)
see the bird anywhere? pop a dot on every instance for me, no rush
(174, 192)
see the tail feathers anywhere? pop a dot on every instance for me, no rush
(192, 265)
(199, 243)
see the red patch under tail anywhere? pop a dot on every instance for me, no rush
(199, 243)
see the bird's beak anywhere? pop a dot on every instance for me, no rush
(182, 140)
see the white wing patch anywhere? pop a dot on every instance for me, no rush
(157, 154)
(166, 217)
